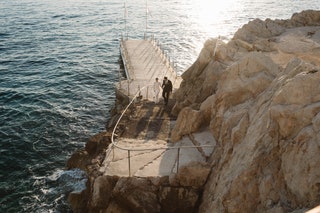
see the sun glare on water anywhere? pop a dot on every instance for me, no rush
(210, 17)
(211, 11)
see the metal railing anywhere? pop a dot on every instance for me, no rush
(114, 145)
(127, 88)
(170, 65)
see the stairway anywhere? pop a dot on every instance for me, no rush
(146, 134)
(161, 158)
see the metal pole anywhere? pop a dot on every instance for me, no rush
(147, 93)
(128, 87)
(125, 20)
(178, 160)
(129, 163)
(119, 78)
(112, 152)
(146, 19)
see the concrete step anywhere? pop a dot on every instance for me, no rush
(204, 138)
(160, 158)
(161, 166)
(121, 167)
(188, 155)
(118, 163)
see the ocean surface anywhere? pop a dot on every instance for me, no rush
(58, 67)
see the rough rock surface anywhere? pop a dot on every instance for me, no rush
(260, 96)
(179, 192)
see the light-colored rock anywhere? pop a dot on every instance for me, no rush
(137, 194)
(194, 175)
(100, 193)
(189, 121)
(264, 113)
(115, 207)
(314, 210)
(258, 29)
(178, 199)
(199, 81)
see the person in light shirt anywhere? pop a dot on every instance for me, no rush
(156, 89)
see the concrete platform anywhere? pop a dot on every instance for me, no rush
(144, 61)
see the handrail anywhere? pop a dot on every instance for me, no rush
(164, 56)
(114, 144)
(138, 93)
(145, 149)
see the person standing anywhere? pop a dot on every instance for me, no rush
(167, 89)
(156, 89)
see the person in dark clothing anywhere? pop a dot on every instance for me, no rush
(166, 89)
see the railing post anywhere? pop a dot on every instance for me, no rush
(112, 152)
(129, 166)
(139, 91)
(147, 95)
(128, 87)
(178, 160)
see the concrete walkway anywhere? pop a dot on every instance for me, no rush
(162, 157)
(143, 144)
(144, 61)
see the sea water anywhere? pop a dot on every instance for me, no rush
(58, 66)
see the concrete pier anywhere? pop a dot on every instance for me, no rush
(144, 61)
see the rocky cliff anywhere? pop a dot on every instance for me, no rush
(260, 96)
